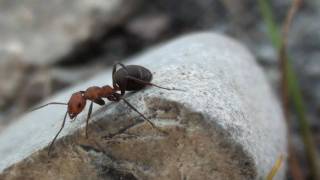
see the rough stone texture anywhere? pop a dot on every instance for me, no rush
(31, 27)
(226, 125)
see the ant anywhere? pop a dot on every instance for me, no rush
(127, 78)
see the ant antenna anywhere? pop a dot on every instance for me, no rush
(55, 137)
(51, 103)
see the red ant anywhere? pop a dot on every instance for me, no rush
(127, 78)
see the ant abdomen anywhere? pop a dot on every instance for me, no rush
(133, 71)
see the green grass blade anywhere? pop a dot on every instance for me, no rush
(294, 91)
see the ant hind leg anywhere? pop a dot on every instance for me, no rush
(115, 67)
(122, 86)
(150, 84)
(148, 120)
(114, 70)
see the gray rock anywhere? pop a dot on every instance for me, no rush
(40, 32)
(225, 125)
(149, 27)
(11, 82)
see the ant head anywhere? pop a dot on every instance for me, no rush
(76, 104)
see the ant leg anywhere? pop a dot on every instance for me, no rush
(150, 84)
(114, 70)
(122, 89)
(54, 139)
(115, 67)
(99, 101)
(151, 123)
(132, 107)
(88, 117)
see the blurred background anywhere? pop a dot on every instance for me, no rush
(48, 45)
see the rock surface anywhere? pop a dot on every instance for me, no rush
(225, 125)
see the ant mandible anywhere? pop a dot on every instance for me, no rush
(127, 78)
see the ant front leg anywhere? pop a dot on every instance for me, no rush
(55, 137)
(98, 101)
(88, 117)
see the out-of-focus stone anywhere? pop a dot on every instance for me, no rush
(225, 125)
(149, 27)
(40, 32)
(10, 82)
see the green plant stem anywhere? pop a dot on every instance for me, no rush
(273, 30)
(293, 89)
(310, 148)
